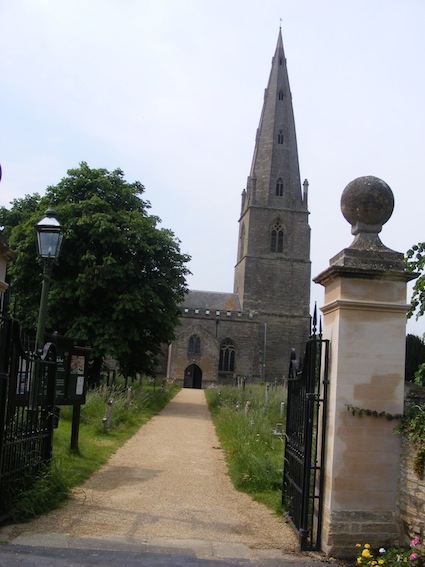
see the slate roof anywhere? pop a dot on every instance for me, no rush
(212, 300)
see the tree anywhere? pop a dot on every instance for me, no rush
(120, 277)
(415, 356)
(415, 263)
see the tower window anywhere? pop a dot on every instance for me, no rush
(194, 346)
(279, 188)
(280, 137)
(276, 237)
(280, 96)
(227, 356)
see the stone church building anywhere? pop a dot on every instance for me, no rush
(249, 333)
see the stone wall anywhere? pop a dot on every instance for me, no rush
(411, 496)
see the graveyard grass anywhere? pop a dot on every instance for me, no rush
(254, 454)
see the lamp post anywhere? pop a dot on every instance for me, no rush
(49, 240)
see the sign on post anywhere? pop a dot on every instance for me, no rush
(72, 365)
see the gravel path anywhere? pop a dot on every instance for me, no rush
(169, 482)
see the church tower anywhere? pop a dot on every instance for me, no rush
(272, 273)
(248, 334)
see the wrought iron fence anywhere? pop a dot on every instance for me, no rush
(303, 473)
(27, 395)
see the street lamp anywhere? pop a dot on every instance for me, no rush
(49, 240)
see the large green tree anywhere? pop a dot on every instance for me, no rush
(120, 277)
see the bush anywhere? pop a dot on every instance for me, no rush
(415, 357)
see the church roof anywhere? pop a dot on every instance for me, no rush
(212, 300)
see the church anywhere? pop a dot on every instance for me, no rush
(248, 334)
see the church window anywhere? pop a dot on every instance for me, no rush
(279, 188)
(280, 137)
(194, 346)
(227, 356)
(281, 94)
(276, 237)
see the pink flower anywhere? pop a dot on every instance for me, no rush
(414, 541)
(413, 556)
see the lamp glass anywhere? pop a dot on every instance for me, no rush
(49, 237)
(48, 244)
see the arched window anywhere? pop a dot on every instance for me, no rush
(280, 137)
(280, 95)
(227, 356)
(194, 346)
(279, 187)
(276, 237)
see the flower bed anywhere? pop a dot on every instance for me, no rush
(391, 557)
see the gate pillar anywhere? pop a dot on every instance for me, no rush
(364, 317)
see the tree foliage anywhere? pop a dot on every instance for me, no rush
(120, 277)
(415, 356)
(415, 263)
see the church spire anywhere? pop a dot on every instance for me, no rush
(275, 170)
(272, 272)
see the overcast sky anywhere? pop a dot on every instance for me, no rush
(171, 91)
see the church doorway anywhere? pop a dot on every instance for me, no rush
(192, 377)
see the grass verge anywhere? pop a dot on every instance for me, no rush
(254, 454)
(69, 469)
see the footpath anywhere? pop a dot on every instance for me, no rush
(164, 498)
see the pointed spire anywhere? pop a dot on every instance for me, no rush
(275, 156)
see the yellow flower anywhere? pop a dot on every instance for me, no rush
(358, 544)
(373, 563)
(366, 553)
(367, 545)
(381, 561)
(359, 560)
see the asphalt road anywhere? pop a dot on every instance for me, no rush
(26, 556)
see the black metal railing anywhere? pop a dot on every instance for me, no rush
(27, 395)
(303, 473)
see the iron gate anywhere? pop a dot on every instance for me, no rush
(303, 473)
(27, 395)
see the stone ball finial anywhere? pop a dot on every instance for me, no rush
(367, 203)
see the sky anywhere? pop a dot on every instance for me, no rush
(170, 91)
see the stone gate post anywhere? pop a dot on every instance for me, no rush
(364, 317)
